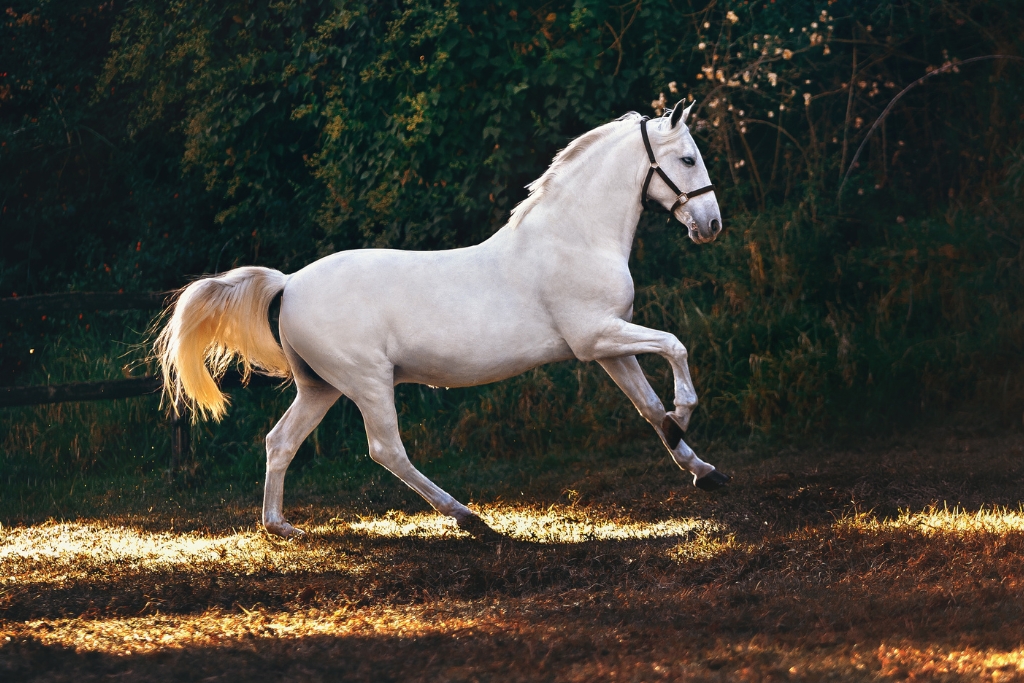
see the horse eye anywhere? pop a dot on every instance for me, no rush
(689, 161)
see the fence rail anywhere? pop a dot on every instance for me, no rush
(80, 302)
(79, 391)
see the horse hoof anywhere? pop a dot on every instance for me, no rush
(284, 530)
(479, 529)
(712, 481)
(672, 431)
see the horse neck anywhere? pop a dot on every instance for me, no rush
(595, 202)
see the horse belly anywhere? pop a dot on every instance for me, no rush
(464, 356)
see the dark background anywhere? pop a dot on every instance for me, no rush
(145, 143)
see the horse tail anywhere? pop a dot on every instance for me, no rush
(213, 322)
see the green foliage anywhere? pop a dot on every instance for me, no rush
(142, 145)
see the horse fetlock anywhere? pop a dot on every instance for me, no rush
(687, 460)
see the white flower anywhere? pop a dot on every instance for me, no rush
(807, 99)
(701, 46)
(659, 104)
(773, 78)
(731, 16)
(672, 87)
(787, 54)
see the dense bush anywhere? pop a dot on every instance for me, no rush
(145, 143)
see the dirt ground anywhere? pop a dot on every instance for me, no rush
(898, 561)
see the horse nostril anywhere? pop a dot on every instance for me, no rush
(716, 226)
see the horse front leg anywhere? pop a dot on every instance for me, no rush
(620, 338)
(629, 377)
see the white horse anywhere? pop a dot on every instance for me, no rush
(551, 285)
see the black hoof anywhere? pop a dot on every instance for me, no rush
(479, 530)
(712, 481)
(673, 433)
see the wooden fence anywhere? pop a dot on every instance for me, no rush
(82, 302)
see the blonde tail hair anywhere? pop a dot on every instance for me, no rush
(215, 321)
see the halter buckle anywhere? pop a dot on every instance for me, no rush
(654, 164)
(682, 198)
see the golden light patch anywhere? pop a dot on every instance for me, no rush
(71, 542)
(897, 659)
(552, 525)
(134, 635)
(57, 551)
(945, 520)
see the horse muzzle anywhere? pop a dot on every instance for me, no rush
(693, 227)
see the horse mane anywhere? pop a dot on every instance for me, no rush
(571, 152)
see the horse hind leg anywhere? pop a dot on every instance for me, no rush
(312, 401)
(377, 405)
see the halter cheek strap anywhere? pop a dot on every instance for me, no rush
(681, 197)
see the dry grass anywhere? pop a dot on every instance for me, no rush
(900, 563)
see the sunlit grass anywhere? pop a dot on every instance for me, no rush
(124, 636)
(556, 524)
(945, 520)
(899, 659)
(956, 520)
(99, 544)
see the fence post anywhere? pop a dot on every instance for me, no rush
(181, 435)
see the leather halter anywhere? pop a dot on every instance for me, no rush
(681, 197)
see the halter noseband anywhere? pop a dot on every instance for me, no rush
(681, 197)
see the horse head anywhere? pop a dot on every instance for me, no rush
(684, 188)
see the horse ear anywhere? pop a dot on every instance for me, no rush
(681, 113)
